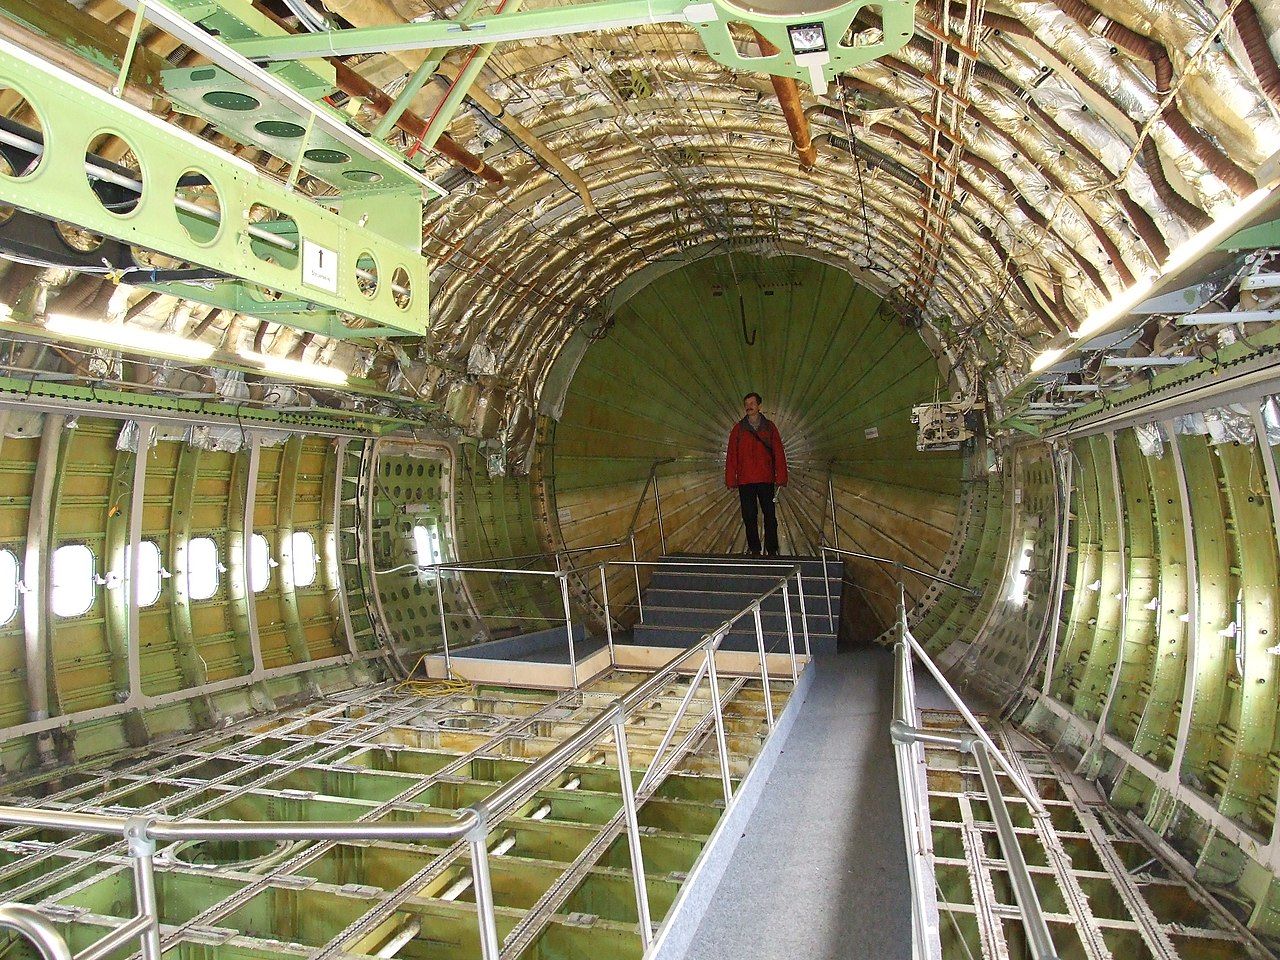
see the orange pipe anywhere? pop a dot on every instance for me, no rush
(354, 85)
(788, 93)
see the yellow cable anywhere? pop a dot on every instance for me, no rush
(431, 686)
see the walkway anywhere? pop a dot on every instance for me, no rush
(820, 872)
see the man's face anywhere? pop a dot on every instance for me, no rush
(752, 406)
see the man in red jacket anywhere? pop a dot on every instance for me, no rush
(755, 463)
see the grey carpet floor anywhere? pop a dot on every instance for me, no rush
(820, 871)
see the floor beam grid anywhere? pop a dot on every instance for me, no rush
(377, 754)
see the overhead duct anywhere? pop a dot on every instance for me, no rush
(788, 93)
(354, 85)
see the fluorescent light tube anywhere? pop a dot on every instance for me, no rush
(1216, 232)
(1046, 360)
(129, 337)
(296, 369)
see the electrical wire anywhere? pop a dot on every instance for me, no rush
(432, 686)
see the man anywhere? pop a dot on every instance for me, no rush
(755, 464)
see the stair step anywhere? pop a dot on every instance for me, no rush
(729, 602)
(676, 578)
(773, 621)
(809, 566)
(736, 639)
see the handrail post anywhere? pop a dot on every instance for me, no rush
(826, 585)
(478, 839)
(831, 497)
(568, 627)
(633, 829)
(721, 743)
(444, 629)
(635, 561)
(608, 620)
(909, 765)
(791, 638)
(764, 667)
(1037, 805)
(142, 848)
(804, 614)
(657, 502)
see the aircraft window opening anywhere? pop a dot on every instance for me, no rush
(426, 544)
(260, 563)
(71, 594)
(9, 589)
(305, 562)
(150, 572)
(1021, 572)
(202, 568)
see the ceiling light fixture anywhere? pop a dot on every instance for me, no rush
(133, 338)
(1184, 254)
(1046, 359)
(1216, 232)
(1120, 305)
(296, 369)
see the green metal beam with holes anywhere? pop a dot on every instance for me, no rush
(196, 202)
(813, 45)
(141, 405)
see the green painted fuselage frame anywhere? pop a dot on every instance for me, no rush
(711, 20)
(73, 114)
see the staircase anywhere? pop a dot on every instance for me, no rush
(692, 594)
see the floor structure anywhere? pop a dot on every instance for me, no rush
(820, 871)
(559, 857)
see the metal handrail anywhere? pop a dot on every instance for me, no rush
(878, 559)
(831, 503)
(33, 925)
(651, 481)
(793, 569)
(463, 565)
(904, 566)
(475, 824)
(909, 741)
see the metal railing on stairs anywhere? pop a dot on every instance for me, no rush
(474, 825)
(504, 566)
(888, 561)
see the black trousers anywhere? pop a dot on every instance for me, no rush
(758, 497)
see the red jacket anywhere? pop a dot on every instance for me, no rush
(750, 461)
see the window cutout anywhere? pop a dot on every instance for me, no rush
(119, 184)
(305, 562)
(149, 572)
(72, 592)
(865, 31)
(198, 206)
(426, 543)
(8, 585)
(367, 275)
(1021, 572)
(259, 563)
(202, 568)
(267, 223)
(22, 159)
(747, 43)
